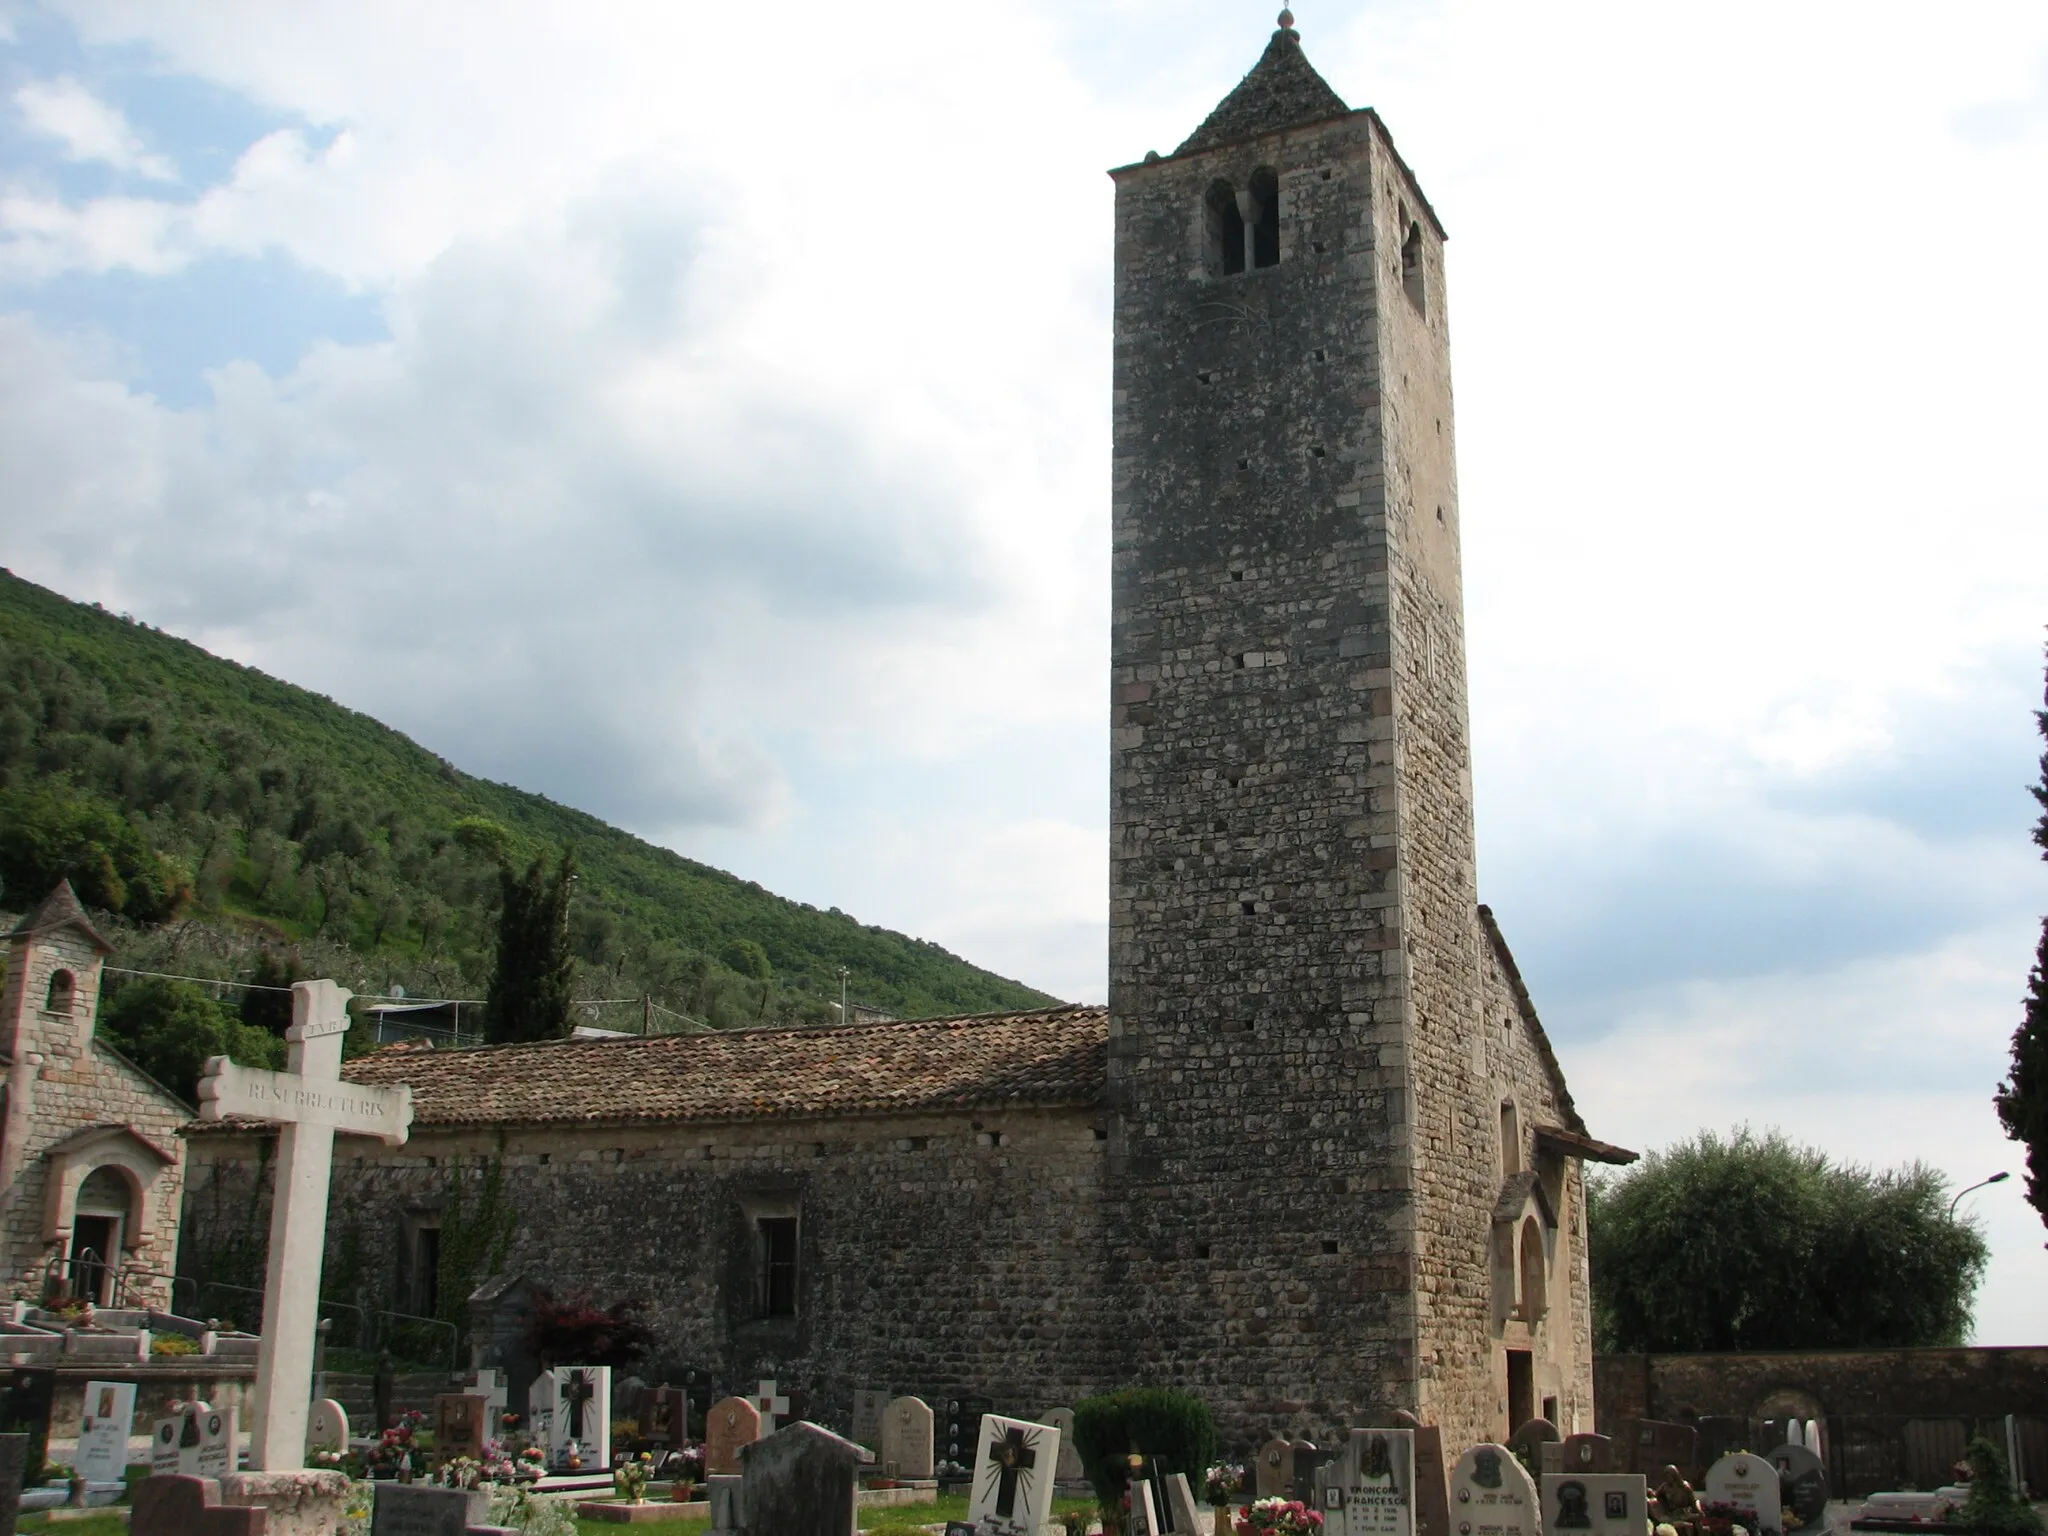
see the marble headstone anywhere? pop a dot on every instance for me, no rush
(906, 1448)
(801, 1481)
(107, 1417)
(729, 1424)
(1014, 1464)
(217, 1442)
(1147, 1518)
(1750, 1484)
(869, 1405)
(578, 1401)
(1369, 1488)
(1649, 1446)
(722, 1490)
(1589, 1453)
(773, 1404)
(1600, 1503)
(1180, 1504)
(461, 1425)
(326, 1427)
(417, 1510)
(1528, 1441)
(1273, 1470)
(1492, 1494)
(1070, 1469)
(1802, 1486)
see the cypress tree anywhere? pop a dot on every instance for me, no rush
(2023, 1098)
(530, 989)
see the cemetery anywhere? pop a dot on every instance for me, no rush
(1291, 1237)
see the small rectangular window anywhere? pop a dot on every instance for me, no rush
(426, 1271)
(777, 1250)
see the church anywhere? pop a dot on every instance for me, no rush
(1316, 1160)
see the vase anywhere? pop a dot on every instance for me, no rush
(1224, 1524)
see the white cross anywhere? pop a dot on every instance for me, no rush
(309, 1102)
(490, 1385)
(771, 1407)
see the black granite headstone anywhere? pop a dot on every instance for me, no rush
(1802, 1487)
(962, 1436)
(13, 1461)
(414, 1509)
(25, 1410)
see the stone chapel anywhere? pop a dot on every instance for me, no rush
(1316, 1159)
(91, 1163)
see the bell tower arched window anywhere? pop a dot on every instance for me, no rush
(1265, 190)
(1411, 266)
(1225, 225)
(63, 993)
(1535, 1301)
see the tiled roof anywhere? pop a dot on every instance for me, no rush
(60, 909)
(991, 1061)
(1283, 90)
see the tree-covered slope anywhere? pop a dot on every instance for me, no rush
(167, 781)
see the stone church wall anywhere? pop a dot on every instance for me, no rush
(932, 1258)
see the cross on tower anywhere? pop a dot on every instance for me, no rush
(770, 1406)
(1011, 1459)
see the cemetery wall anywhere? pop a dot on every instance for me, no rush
(1872, 1382)
(937, 1253)
(80, 1086)
(1259, 1053)
(225, 1386)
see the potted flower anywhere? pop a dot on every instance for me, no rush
(629, 1477)
(1223, 1483)
(1280, 1517)
(533, 1464)
(689, 1472)
(462, 1472)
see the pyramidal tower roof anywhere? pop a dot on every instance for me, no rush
(1282, 91)
(60, 909)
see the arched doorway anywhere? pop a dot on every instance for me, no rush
(99, 1226)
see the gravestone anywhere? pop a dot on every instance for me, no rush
(1147, 1519)
(963, 1427)
(25, 1410)
(174, 1444)
(1069, 1469)
(664, 1415)
(1308, 1458)
(414, 1509)
(578, 1403)
(460, 1426)
(1750, 1484)
(308, 1102)
(1273, 1469)
(1432, 1496)
(1014, 1463)
(772, 1405)
(1492, 1494)
(801, 1481)
(728, 1425)
(1813, 1439)
(869, 1406)
(169, 1504)
(103, 1428)
(1589, 1453)
(1599, 1503)
(906, 1449)
(1528, 1441)
(13, 1463)
(218, 1442)
(1368, 1488)
(1802, 1486)
(1180, 1505)
(326, 1427)
(1649, 1446)
(491, 1386)
(728, 1510)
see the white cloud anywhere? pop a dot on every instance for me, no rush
(88, 127)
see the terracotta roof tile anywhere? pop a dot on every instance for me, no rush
(1054, 1056)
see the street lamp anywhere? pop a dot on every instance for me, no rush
(1997, 1178)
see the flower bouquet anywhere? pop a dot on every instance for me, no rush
(1223, 1483)
(1279, 1517)
(629, 1478)
(462, 1472)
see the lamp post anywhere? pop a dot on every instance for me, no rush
(1997, 1178)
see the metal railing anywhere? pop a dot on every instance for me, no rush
(354, 1327)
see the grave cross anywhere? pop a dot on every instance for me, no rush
(309, 1102)
(576, 1391)
(771, 1407)
(1011, 1458)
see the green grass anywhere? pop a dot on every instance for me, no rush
(106, 1524)
(893, 1520)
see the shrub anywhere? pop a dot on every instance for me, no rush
(1172, 1427)
(165, 1344)
(574, 1330)
(1994, 1506)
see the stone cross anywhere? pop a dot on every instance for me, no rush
(309, 1102)
(770, 1406)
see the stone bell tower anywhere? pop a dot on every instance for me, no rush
(1295, 970)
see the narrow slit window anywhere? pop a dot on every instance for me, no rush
(1411, 266)
(778, 1265)
(1266, 219)
(1226, 230)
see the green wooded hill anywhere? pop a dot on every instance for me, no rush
(231, 819)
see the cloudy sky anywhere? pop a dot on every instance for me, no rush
(699, 414)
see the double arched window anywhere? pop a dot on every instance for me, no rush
(1243, 231)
